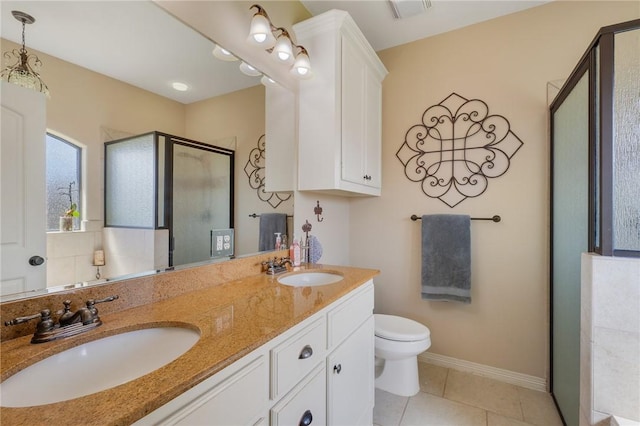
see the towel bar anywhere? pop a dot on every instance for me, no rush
(253, 215)
(495, 218)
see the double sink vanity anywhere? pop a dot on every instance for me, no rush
(226, 343)
(217, 344)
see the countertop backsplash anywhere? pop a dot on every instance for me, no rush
(132, 292)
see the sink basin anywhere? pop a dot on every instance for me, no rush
(307, 279)
(96, 366)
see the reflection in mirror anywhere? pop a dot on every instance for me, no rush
(99, 95)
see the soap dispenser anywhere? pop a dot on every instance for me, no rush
(295, 249)
(278, 240)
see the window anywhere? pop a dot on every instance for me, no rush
(63, 180)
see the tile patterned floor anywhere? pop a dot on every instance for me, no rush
(452, 398)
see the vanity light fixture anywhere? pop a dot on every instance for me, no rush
(261, 31)
(302, 66)
(268, 81)
(277, 41)
(249, 70)
(283, 51)
(22, 72)
(223, 54)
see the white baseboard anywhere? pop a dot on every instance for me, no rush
(511, 377)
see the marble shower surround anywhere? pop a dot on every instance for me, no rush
(609, 339)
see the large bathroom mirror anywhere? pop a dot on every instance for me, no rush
(109, 67)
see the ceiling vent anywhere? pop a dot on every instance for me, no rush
(406, 8)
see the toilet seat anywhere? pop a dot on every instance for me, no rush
(399, 329)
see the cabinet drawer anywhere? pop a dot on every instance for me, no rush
(239, 399)
(295, 357)
(306, 401)
(346, 317)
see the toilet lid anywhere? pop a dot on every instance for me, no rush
(400, 329)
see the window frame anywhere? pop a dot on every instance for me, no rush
(79, 150)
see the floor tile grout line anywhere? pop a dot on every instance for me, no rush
(446, 378)
(404, 410)
(520, 402)
(447, 385)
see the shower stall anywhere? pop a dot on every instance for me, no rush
(595, 195)
(179, 188)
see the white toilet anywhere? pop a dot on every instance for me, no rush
(398, 342)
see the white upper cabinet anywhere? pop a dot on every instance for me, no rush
(339, 143)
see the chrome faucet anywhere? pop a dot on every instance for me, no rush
(69, 323)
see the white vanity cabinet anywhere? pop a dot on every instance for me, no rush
(340, 108)
(237, 395)
(350, 363)
(319, 372)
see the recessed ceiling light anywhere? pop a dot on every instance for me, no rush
(180, 87)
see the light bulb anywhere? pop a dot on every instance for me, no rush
(282, 50)
(223, 54)
(302, 66)
(249, 70)
(268, 81)
(260, 32)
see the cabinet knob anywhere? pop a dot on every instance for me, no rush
(337, 368)
(306, 352)
(306, 419)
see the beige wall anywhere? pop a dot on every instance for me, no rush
(507, 63)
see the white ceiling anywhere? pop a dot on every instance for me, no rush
(376, 21)
(139, 43)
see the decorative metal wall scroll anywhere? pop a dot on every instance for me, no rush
(457, 148)
(254, 170)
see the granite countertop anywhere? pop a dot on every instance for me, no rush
(259, 307)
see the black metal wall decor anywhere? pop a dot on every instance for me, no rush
(457, 148)
(254, 170)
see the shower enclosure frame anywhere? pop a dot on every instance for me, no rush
(601, 135)
(163, 210)
(599, 62)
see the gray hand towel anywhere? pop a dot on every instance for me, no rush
(270, 223)
(446, 258)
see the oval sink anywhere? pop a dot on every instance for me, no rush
(307, 279)
(96, 366)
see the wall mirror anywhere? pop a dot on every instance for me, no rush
(92, 103)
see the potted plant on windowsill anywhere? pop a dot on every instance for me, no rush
(66, 221)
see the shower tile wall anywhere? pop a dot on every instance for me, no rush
(609, 338)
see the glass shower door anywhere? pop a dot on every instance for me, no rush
(202, 200)
(570, 198)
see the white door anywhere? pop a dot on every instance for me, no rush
(23, 204)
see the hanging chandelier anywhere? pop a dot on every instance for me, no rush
(23, 71)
